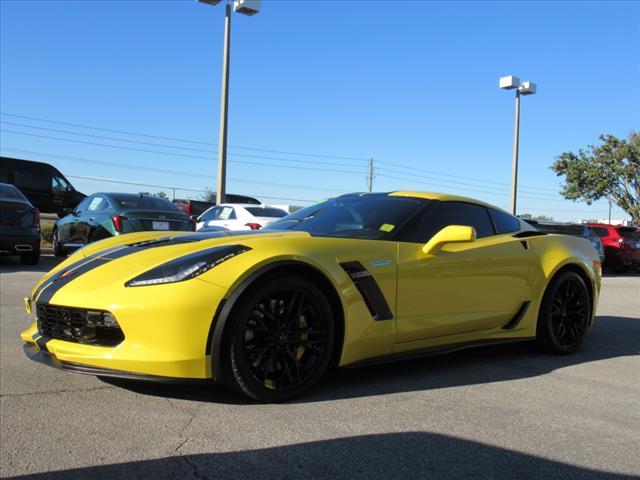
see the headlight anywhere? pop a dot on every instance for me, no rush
(187, 267)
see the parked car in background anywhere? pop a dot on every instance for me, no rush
(43, 185)
(103, 215)
(621, 245)
(198, 207)
(576, 229)
(233, 216)
(19, 226)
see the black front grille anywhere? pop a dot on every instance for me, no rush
(78, 325)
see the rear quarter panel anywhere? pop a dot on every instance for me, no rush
(557, 251)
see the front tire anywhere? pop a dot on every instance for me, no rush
(564, 314)
(280, 340)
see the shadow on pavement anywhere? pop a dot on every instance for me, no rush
(12, 264)
(378, 456)
(610, 337)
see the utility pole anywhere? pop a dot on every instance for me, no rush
(370, 177)
(609, 211)
(224, 117)
(245, 7)
(516, 144)
(525, 88)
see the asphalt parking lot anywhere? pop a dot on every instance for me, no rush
(499, 412)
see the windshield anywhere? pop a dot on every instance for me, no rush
(628, 232)
(9, 192)
(370, 216)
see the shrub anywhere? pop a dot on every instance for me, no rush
(46, 232)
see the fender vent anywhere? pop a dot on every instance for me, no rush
(369, 289)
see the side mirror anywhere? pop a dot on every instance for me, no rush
(450, 234)
(194, 218)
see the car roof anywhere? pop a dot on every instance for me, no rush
(243, 205)
(444, 197)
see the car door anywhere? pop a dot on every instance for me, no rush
(70, 232)
(465, 287)
(226, 217)
(91, 219)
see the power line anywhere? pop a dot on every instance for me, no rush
(458, 176)
(174, 139)
(499, 194)
(453, 181)
(162, 145)
(277, 159)
(171, 172)
(111, 180)
(144, 150)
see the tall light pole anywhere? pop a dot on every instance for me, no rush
(525, 88)
(246, 7)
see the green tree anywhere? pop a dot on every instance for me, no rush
(611, 169)
(208, 195)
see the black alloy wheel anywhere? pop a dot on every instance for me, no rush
(564, 314)
(282, 339)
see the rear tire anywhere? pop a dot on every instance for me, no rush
(564, 315)
(58, 250)
(30, 258)
(280, 340)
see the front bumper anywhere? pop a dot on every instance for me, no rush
(8, 243)
(44, 357)
(166, 332)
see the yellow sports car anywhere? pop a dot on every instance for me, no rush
(356, 279)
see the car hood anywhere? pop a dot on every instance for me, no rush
(145, 250)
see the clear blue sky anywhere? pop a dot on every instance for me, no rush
(410, 83)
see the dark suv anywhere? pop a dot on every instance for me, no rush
(45, 187)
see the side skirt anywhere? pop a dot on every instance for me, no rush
(431, 351)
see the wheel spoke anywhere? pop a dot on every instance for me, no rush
(285, 338)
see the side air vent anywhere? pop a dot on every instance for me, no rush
(529, 233)
(369, 289)
(513, 323)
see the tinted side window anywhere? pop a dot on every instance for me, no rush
(504, 222)
(209, 214)
(455, 213)
(59, 184)
(600, 231)
(98, 204)
(82, 206)
(36, 179)
(226, 213)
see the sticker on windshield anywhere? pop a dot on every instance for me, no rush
(387, 227)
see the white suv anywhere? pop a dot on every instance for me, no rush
(238, 216)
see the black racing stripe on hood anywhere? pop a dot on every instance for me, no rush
(61, 280)
(73, 266)
(48, 289)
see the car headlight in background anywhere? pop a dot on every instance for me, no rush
(187, 267)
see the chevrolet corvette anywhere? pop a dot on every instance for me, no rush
(353, 280)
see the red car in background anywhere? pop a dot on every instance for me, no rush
(621, 245)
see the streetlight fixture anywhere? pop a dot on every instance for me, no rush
(245, 7)
(525, 88)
